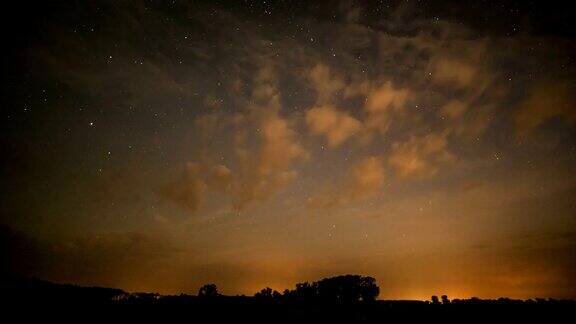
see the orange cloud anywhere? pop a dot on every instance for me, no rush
(188, 190)
(453, 109)
(364, 180)
(544, 102)
(386, 97)
(420, 156)
(368, 177)
(381, 103)
(464, 120)
(336, 125)
(452, 71)
(219, 178)
(325, 83)
(265, 168)
(265, 147)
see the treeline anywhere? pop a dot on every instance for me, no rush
(342, 299)
(345, 289)
(340, 289)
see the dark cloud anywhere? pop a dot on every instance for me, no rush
(103, 259)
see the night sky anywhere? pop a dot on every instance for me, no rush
(158, 146)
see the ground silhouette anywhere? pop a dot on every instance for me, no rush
(347, 298)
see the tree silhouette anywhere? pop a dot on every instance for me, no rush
(268, 293)
(435, 300)
(276, 294)
(445, 299)
(208, 290)
(306, 291)
(340, 289)
(348, 289)
(264, 293)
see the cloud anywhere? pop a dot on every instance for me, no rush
(187, 190)
(368, 177)
(116, 259)
(381, 103)
(453, 109)
(464, 121)
(191, 186)
(453, 71)
(474, 123)
(336, 125)
(364, 180)
(544, 102)
(219, 178)
(466, 84)
(265, 168)
(264, 150)
(20, 253)
(326, 84)
(279, 146)
(420, 156)
(107, 259)
(386, 97)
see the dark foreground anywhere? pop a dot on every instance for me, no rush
(40, 300)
